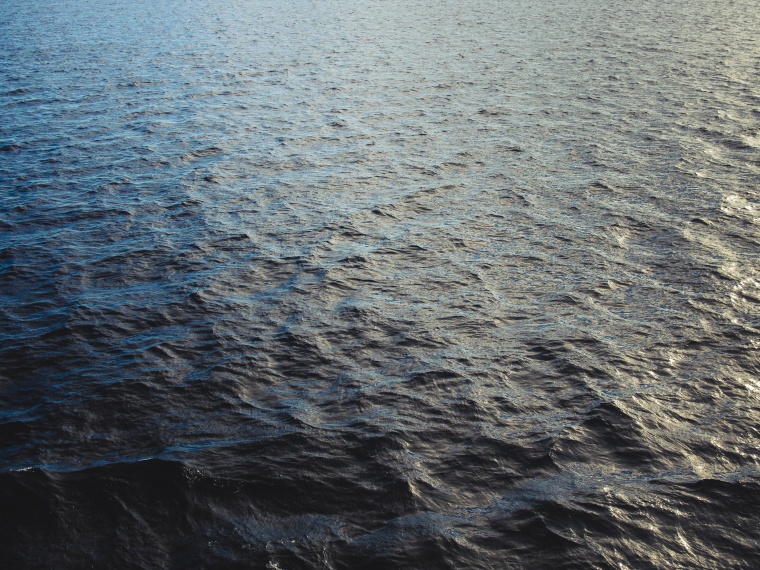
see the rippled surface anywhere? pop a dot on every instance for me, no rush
(379, 284)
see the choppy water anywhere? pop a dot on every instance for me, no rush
(384, 284)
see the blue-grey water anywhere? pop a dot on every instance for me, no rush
(384, 284)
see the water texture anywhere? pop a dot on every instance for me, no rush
(384, 284)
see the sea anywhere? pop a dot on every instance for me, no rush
(379, 284)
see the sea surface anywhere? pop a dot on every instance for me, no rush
(382, 284)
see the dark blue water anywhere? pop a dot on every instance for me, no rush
(426, 284)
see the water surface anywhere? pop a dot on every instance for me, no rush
(426, 284)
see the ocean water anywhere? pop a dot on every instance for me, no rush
(385, 284)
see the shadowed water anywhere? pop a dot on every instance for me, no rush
(384, 284)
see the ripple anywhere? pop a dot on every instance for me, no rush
(412, 285)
